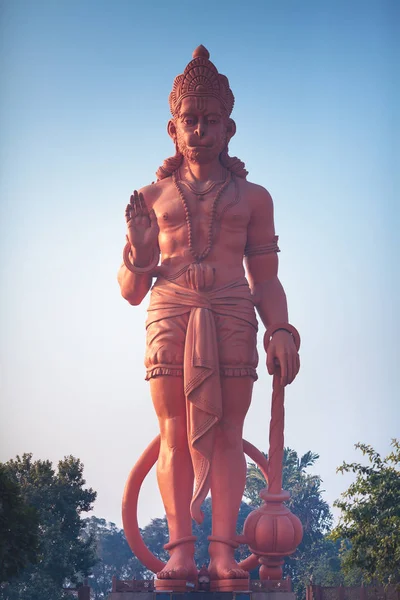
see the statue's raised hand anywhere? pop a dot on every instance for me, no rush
(142, 226)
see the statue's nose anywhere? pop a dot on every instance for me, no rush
(201, 129)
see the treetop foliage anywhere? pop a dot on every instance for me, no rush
(370, 516)
(114, 557)
(19, 525)
(58, 497)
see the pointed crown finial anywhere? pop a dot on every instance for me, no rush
(201, 51)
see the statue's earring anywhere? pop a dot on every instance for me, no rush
(224, 154)
(231, 129)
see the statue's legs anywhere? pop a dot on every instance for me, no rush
(175, 474)
(228, 476)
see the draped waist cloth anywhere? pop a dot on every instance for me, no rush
(202, 385)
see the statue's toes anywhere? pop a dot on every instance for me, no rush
(164, 574)
(177, 573)
(236, 574)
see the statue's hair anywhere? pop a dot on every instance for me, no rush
(232, 163)
(169, 166)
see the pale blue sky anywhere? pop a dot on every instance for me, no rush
(83, 117)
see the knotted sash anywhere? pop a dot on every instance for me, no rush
(201, 375)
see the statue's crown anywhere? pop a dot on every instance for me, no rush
(201, 78)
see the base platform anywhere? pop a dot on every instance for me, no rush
(174, 585)
(230, 585)
(168, 595)
(223, 589)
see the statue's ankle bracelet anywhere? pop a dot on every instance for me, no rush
(223, 540)
(180, 541)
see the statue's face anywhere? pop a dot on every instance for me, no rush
(201, 129)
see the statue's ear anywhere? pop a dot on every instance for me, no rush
(171, 129)
(231, 129)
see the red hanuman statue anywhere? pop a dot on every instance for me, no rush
(190, 230)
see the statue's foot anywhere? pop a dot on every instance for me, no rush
(226, 570)
(224, 566)
(180, 566)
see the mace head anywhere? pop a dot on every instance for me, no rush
(273, 530)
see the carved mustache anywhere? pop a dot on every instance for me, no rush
(196, 143)
(200, 145)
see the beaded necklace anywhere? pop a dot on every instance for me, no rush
(192, 188)
(199, 257)
(197, 192)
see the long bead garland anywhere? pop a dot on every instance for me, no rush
(199, 257)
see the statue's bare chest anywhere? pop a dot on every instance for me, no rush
(230, 212)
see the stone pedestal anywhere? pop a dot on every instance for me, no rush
(165, 595)
(131, 596)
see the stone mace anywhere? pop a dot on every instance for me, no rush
(272, 531)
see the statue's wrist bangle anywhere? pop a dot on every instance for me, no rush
(286, 327)
(140, 270)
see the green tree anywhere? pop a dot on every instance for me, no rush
(155, 535)
(114, 557)
(370, 518)
(18, 529)
(323, 566)
(59, 499)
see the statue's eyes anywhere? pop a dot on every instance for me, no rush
(188, 121)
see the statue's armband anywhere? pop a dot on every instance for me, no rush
(262, 248)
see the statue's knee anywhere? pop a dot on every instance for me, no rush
(173, 433)
(230, 435)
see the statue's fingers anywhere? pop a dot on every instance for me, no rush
(291, 369)
(283, 361)
(142, 204)
(128, 213)
(271, 363)
(295, 366)
(135, 202)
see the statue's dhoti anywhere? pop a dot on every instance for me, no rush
(201, 335)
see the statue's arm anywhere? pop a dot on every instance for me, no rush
(142, 235)
(262, 267)
(133, 287)
(269, 295)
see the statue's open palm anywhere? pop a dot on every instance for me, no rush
(142, 224)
